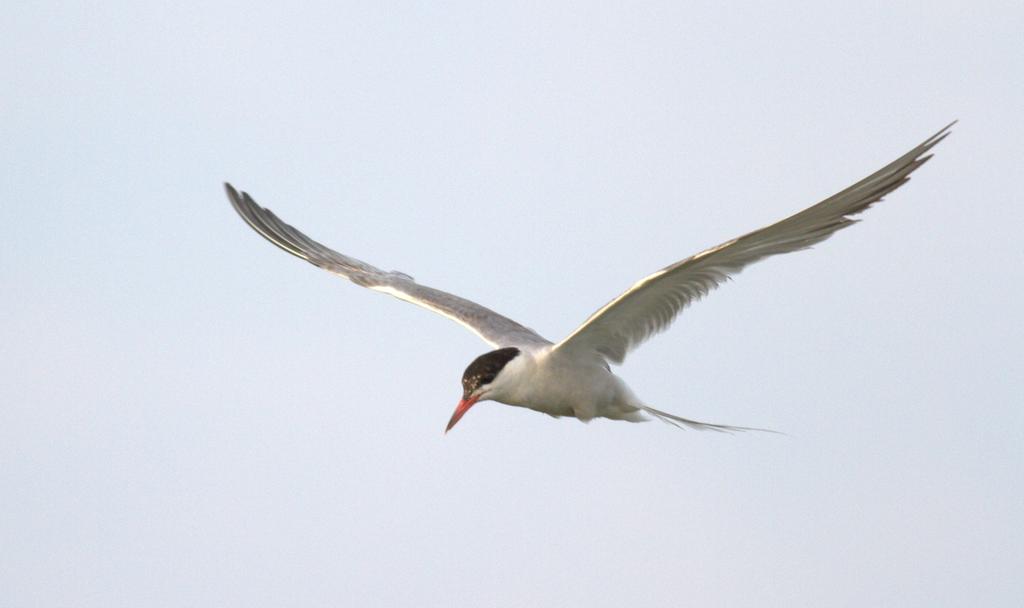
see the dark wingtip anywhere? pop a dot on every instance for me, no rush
(941, 135)
(234, 197)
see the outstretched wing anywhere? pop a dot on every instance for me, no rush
(496, 330)
(650, 306)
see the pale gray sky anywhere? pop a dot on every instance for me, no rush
(190, 417)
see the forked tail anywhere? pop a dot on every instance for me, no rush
(680, 422)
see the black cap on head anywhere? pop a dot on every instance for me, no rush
(485, 368)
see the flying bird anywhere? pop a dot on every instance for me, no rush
(573, 377)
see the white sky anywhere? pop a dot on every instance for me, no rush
(190, 417)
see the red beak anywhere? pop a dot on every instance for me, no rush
(460, 411)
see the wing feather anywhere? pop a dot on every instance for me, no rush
(493, 328)
(650, 305)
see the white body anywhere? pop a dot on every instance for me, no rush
(537, 380)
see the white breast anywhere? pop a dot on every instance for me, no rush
(562, 386)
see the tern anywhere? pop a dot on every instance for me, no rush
(574, 377)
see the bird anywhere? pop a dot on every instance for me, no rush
(573, 377)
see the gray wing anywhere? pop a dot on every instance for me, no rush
(650, 306)
(496, 330)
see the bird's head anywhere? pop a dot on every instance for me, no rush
(479, 379)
